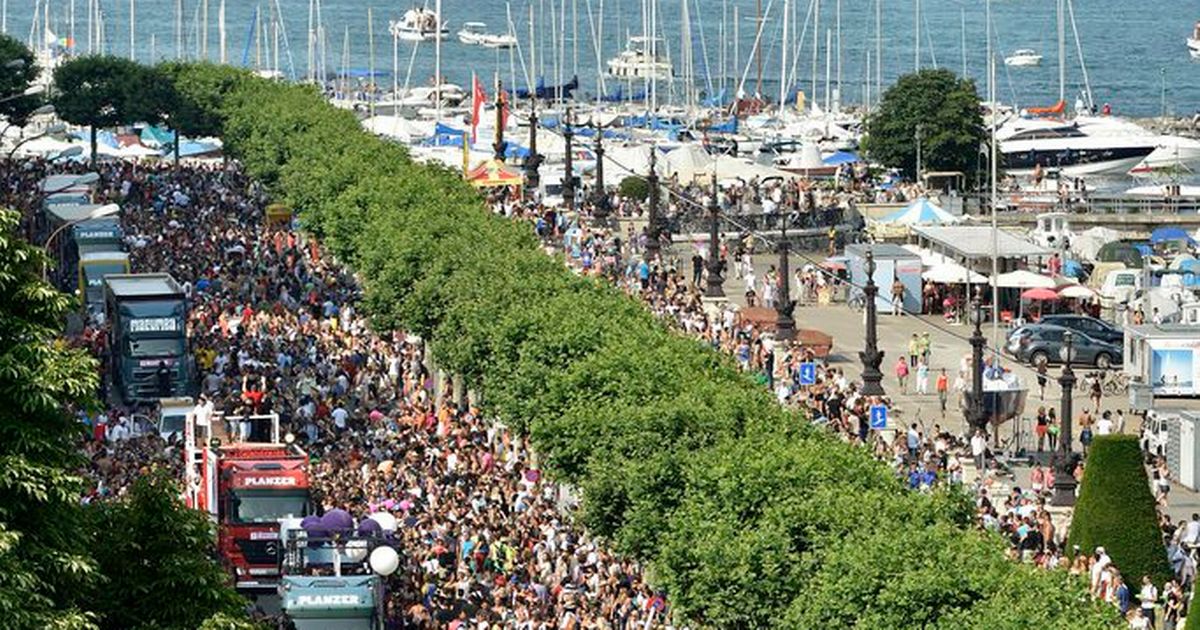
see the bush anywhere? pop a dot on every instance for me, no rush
(1193, 614)
(738, 507)
(1116, 511)
(635, 188)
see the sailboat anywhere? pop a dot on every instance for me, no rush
(1193, 42)
(418, 25)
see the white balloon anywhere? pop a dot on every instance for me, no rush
(385, 560)
(386, 521)
(356, 550)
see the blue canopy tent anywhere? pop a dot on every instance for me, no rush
(1191, 272)
(729, 126)
(841, 157)
(920, 212)
(1072, 268)
(1170, 233)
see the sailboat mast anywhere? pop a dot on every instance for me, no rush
(533, 70)
(837, 89)
(994, 170)
(1062, 52)
(371, 59)
(178, 29)
(758, 47)
(816, 48)
(828, 68)
(916, 35)
(878, 49)
(783, 64)
(132, 29)
(437, 58)
(221, 30)
(204, 30)
(737, 57)
(962, 15)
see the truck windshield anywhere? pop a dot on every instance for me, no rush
(267, 506)
(155, 347)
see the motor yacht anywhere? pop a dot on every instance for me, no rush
(640, 60)
(1023, 58)
(1193, 42)
(418, 25)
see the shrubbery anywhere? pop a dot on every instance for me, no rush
(747, 516)
(1116, 511)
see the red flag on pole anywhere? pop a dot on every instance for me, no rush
(478, 98)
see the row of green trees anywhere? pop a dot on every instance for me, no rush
(746, 515)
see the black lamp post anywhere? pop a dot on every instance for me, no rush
(785, 325)
(499, 145)
(871, 356)
(568, 187)
(532, 180)
(653, 246)
(714, 288)
(599, 196)
(1064, 456)
(976, 417)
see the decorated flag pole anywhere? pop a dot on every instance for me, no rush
(498, 145)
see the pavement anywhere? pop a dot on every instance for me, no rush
(948, 345)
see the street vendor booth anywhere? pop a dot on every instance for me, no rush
(1164, 356)
(892, 263)
(494, 174)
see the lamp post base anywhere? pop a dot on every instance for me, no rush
(1064, 493)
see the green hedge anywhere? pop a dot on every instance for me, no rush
(1116, 510)
(744, 513)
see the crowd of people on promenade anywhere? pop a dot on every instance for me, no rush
(923, 457)
(486, 540)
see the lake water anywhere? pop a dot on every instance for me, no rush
(1132, 50)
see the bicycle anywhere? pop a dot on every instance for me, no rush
(857, 303)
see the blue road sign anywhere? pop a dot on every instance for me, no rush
(808, 374)
(878, 417)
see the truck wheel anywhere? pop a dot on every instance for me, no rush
(1103, 361)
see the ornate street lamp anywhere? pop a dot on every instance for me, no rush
(499, 145)
(600, 206)
(568, 187)
(785, 326)
(653, 235)
(533, 160)
(871, 356)
(1064, 456)
(714, 288)
(976, 416)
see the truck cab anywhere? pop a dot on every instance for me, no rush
(93, 266)
(248, 489)
(1120, 286)
(147, 316)
(172, 417)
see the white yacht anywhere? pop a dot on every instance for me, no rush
(1023, 57)
(640, 60)
(418, 25)
(1193, 42)
(505, 41)
(1085, 146)
(472, 33)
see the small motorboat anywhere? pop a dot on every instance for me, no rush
(1193, 42)
(418, 25)
(1023, 58)
(640, 60)
(505, 41)
(472, 33)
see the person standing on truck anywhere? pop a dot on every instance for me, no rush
(163, 378)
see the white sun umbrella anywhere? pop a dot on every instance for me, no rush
(42, 147)
(1025, 279)
(952, 273)
(1077, 291)
(630, 160)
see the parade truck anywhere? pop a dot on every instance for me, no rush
(248, 488)
(148, 347)
(93, 267)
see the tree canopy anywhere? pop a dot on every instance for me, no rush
(747, 515)
(944, 106)
(18, 69)
(104, 91)
(44, 560)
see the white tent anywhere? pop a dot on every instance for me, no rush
(1086, 245)
(689, 162)
(398, 127)
(920, 212)
(1025, 279)
(621, 162)
(731, 168)
(45, 146)
(952, 273)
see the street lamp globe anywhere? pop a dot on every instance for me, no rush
(1067, 352)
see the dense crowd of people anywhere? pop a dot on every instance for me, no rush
(486, 540)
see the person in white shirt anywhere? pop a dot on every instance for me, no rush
(1104, 426)
(1191, 534)
(1149, 598)
(978, 448)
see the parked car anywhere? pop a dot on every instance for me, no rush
(1042, 343)
(1095, 328)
